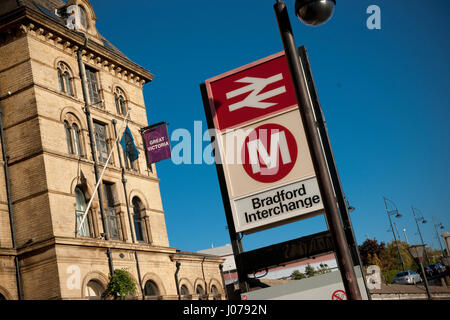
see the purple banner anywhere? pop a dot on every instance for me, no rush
(157, 144)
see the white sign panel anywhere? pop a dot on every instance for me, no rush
(283, 203)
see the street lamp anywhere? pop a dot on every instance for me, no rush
(316, 12)
(421, 219)
(417, 252)
(440, 226)
(397, 215)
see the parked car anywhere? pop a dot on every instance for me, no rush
(428, 271)
(437, 268)
(407, 277)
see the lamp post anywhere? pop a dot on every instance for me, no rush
(316, 12)
(397, 215)
(421, 219)
(440, 226)
(418, 252)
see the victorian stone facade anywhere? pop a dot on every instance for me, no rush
(50, 170)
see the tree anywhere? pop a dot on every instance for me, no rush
(323, 268)
(297, 275)
(370, 247)
(309, 271)
(121, 284)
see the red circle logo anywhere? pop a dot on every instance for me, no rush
(269, 153)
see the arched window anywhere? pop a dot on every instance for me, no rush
(2, 297)
(119, 97)
(73, 134)
(80, 209)
(76, 139)
(65, 79)
(215, 292)
(151, 289)
(83, 17)
(138, 220)
(94, 290)
(199, 290)
(184, 292)
(68, 137)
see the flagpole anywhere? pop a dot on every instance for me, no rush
(101, 175)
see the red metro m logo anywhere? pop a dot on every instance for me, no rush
(269, 153)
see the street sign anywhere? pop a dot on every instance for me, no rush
(264, 153)
(251, 92)
(274, 255)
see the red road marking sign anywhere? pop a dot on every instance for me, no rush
(339, 295)
(251, 92)
(269, 153)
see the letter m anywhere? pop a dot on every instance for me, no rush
(257, 151)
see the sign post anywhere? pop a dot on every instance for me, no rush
(320, 165)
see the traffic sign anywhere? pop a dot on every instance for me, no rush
(263, 149)
(251, 92)
(269, 153)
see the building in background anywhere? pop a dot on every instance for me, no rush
(53, 145)
(277, 273)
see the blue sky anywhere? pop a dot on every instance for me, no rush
(385, 96)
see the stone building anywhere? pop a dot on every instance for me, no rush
(56, 137)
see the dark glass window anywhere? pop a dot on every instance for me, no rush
(137, 218)
(94, 89)
(76, 139)
(65, 79)
(111, 211)
(101, 141)
(68, 137)
(80, 209)
(199, 290)
(151, 289)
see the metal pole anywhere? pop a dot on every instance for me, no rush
(437, 235)
(425, 279)
(329, 156)
(420, 234)
(93, 151)
(10, 209)
(124, 183)
(393, 232)
(235, 238)
(344, 259)
(406, 238)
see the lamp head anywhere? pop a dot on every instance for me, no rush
(314, 12)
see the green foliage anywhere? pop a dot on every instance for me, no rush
(309, 271)
(323, 268)
(121, 284)
(297, 275)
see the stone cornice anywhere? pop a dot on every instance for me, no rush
(37, 24)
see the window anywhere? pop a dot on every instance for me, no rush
(215, 292)
(73, 135)
(65, 79)
(119, 97)
(184, 292)
(101, 141)
(151, 289)
(94, 290)
(83, 17)
(137, 219)
(80, 209)
(94, 89)
(111, 211)
(68, 137)
(76, 139)
(199, 290)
